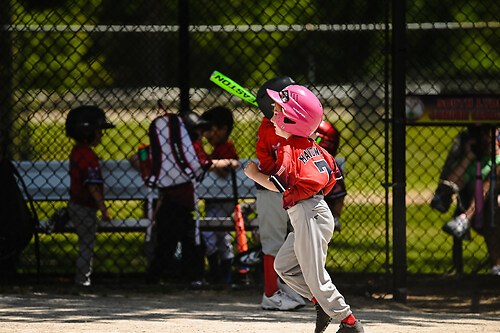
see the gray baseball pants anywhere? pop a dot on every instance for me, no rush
(84, 219)
(301, 260)
(273, 221)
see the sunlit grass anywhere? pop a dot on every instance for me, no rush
(360, 247)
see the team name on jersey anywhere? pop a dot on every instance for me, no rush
(309, 153)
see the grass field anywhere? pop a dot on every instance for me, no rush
(360, 247)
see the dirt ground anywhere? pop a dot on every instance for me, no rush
(431, 307)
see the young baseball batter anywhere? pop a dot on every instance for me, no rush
(273, 219)
(305, 174)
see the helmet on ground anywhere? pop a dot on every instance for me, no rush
(83, 121)
(302, 110)
(328, 137)
(265, 102)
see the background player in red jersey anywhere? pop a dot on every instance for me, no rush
(273, 220)
(328, 137)
(174, 172)
(306, 172)
(218, 247)
(84, 124)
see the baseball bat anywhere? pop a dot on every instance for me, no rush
(241, 236)
(493, 181)
(232, 87)
(479, 196)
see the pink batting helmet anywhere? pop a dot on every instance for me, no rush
(302, 110)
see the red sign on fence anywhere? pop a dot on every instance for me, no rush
(432, 109)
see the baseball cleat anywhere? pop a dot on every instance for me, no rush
(279, 301)
(85, 283)
(291, 293)
(458, 227)
(355, 328)
(322, 319)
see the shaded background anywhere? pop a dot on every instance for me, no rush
(124, 56)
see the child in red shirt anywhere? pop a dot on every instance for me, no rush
(219, 249)
(178, 160)
(85, 124)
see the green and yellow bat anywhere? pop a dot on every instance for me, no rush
(232, 87)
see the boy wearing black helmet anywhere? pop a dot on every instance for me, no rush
(273, 219)
(85, 124)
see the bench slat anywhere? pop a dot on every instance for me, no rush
(140, 225)
(50, 180)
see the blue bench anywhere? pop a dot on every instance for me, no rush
(49, 181)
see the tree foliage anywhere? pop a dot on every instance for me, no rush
(268, 43)
(54, 60)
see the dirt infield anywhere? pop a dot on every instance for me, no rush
(155, 310)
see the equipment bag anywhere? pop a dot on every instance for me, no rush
(18, 222)
(173, 156)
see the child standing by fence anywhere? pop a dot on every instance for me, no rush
(84, 124)
(219, 249)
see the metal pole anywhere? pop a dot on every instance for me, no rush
(6, 110)
(387, 115)
(184, 55)
(493, 179)
(398, 149)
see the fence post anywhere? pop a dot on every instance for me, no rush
(6, 109)
(398, 149)
(184, 55)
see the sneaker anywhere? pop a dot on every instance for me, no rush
(291, 293)
(279, 301)
(195, 284)
(458, 227)
(251, 258)
(355, 328)
(85, 283)
(442, 198)
(322, 319)
(495, 270)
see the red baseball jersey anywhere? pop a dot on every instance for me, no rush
(305, 169)
(84, 169)
(224, 150)
(203, 158)
(267, 144)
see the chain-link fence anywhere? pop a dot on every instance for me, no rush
(460, 64)
(125, 57)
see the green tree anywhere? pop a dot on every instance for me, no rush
(56, 60)
(254, 55)
(452, 52)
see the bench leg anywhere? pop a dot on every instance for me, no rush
(457, 252)
(37, 256)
